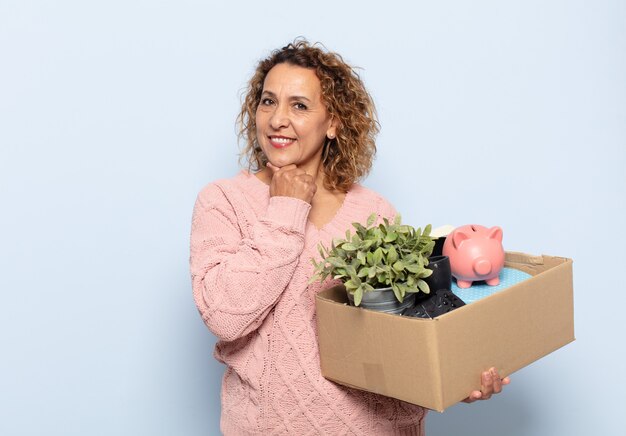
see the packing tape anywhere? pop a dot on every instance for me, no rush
(374, 377)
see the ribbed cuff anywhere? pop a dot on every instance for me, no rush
(288, 212)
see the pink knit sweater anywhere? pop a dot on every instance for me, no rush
(250, 265)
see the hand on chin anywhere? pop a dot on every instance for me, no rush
(291, 181)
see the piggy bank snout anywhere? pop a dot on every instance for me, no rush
(482, 266)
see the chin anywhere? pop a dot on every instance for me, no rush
(282, 161)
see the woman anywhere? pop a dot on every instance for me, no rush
(309, 125)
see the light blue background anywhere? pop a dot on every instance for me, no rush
(114, 114)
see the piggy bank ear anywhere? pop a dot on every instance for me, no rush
(495, 233)
(458, 237)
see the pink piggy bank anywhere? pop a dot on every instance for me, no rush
(475, 253)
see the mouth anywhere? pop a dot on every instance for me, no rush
(280, 141)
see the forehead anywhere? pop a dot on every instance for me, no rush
(292, 79)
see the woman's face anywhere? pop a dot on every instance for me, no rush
(292, 122)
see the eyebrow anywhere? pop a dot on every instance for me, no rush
(293, 97)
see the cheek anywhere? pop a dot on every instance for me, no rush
(259, 122)
(305, 127)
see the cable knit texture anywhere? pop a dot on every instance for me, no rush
(250, 266)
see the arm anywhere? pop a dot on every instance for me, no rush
(238, 279)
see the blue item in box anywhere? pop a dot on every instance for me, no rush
(478, 290)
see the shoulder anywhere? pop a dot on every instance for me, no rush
(231, 190)
(212, 195)
(372, 200)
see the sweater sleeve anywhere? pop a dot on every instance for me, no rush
(237, 275)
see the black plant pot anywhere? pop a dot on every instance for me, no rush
(441, 278)
(438, 248)
(438, 303)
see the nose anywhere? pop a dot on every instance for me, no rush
(280, 117)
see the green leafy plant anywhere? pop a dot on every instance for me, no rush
(387, 255)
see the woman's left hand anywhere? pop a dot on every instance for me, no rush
(491, 383)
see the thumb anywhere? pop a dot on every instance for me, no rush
(272, 167)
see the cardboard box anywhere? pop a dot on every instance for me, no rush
(436, 363)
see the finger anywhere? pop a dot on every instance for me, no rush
(497, 382)
(305, 182)
(506, 381)
(297, 177)
(303, 176)
(289, 167)
(284, 168)
(272, 167)
(486, 385)
(475, 395)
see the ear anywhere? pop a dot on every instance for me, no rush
(495, 233)
(458, 237)
(331, 133)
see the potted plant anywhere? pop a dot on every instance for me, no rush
(382, 266)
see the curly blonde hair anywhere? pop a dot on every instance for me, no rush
(349, 155)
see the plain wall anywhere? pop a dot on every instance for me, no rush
(113, 115)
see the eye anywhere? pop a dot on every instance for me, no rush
(267, 101)
(300, 106)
